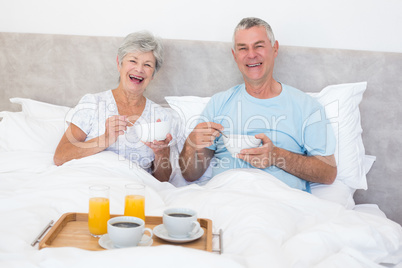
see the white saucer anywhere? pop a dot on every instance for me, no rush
(161, 232)
(107, 243)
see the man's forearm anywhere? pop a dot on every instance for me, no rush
(321, 169)
(193, 163)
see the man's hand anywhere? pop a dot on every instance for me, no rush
(204, 134)
(260, 157)
(195, 156)
(321, 169)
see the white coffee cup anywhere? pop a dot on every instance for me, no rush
(180, 222)
(127, 231)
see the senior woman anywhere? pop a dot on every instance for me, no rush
(100, 121)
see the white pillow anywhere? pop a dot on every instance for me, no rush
(40, 109)
(368, 162)
(39, 127)
(189, 109)
(337, 192)
(341, 103)
(19, 132)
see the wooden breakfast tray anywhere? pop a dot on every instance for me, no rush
(71, 230)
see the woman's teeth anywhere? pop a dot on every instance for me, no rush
(136, 77)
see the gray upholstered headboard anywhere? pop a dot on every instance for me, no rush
(60, 69)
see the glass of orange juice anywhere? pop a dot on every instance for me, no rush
(135, 201)
(99, 211)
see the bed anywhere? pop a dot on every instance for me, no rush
(353, 223)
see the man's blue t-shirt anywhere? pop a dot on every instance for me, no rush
(293, 121)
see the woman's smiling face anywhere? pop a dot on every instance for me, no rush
(136, 71)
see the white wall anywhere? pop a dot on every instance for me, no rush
(350, 24)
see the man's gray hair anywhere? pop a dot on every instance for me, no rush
(247, 23)
(142, 41)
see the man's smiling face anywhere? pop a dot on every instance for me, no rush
(254, 54)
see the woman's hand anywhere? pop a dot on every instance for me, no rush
(161, 167)
(114, 127)
(160, 148)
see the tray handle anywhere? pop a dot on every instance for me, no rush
(220, 236)
(37, 239)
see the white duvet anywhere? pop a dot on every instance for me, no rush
(265, 223)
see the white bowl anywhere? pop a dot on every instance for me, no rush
(236, 143)
(152, 131)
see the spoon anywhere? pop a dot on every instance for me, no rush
(132, 124)
(223, 134)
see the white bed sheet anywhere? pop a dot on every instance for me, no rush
(264, 222)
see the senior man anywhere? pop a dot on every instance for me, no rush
(298, 143)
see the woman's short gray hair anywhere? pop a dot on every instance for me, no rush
(247, 23)
(142, 41)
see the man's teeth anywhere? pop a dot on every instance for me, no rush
(253, 65)
(136, 77)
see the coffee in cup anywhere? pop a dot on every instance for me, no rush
(127, 231)
(181, 222)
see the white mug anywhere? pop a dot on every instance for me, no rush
(127, 231)
(180, 222)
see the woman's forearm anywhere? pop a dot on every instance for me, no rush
(162, 168)
(69, 148)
